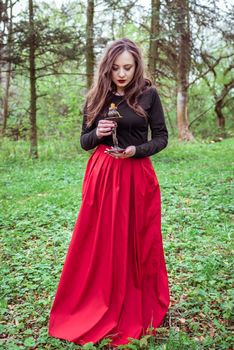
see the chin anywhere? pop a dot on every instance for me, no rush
(122, 85)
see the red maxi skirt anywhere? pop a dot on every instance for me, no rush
(114, 281)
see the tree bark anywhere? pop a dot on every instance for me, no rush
(33, 94)
(154, 33)
(8, 72)
(220, 115)
(184, 62)
(89, 43)
(219, 103)
(3, 26)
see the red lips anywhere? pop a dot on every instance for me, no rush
(121, 81)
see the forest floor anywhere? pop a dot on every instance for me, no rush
(40, 200)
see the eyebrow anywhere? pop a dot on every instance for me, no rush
(129, 64)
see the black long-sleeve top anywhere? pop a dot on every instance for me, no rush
(132, 129)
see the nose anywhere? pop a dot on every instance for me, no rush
(121, 73)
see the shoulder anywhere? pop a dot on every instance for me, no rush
(148, 97)
(151, 92)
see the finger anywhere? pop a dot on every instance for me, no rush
(104, 129)
(113, 155)
(119, 155)
(106, 133)
(127, 153)
(107, 123)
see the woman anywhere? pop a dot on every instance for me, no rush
(114, 280)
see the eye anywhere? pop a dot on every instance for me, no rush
(115, 68)
(127, 68)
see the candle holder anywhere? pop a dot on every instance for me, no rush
(114, 115)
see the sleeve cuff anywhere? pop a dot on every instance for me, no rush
(90, 140)
(138, 153)
(96, 139)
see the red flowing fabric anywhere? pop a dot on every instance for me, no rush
(114, 280)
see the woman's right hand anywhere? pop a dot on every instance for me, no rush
(104, 127)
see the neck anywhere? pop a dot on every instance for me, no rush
(120, 92)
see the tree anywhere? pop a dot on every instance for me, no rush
(183, 68)
(41, 48)
(6, 39)
(32, 72)
(220, 94)
(153, 56)
(89, 43)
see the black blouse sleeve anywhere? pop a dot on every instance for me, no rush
(159, 132)
(88, 137)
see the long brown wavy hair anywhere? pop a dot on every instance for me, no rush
(100, 93)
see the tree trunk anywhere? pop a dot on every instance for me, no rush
(6, 99)
(8, 72)
(154, 33)
(220, 116)
(3, 26)
(33, 95)
(184, 62)
(89, 43)
(219, 104)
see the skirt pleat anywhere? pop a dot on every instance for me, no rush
(114, 281)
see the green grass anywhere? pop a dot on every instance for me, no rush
(40, 201)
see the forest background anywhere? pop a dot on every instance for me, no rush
(49, 52)
(48, 55)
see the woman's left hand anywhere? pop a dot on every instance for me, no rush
(128, 152)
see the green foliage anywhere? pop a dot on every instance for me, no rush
(61, 73)
(55, 36)
(40, 201)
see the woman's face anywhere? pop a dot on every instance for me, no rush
(123, 70)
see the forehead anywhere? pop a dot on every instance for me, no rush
(124, 58)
